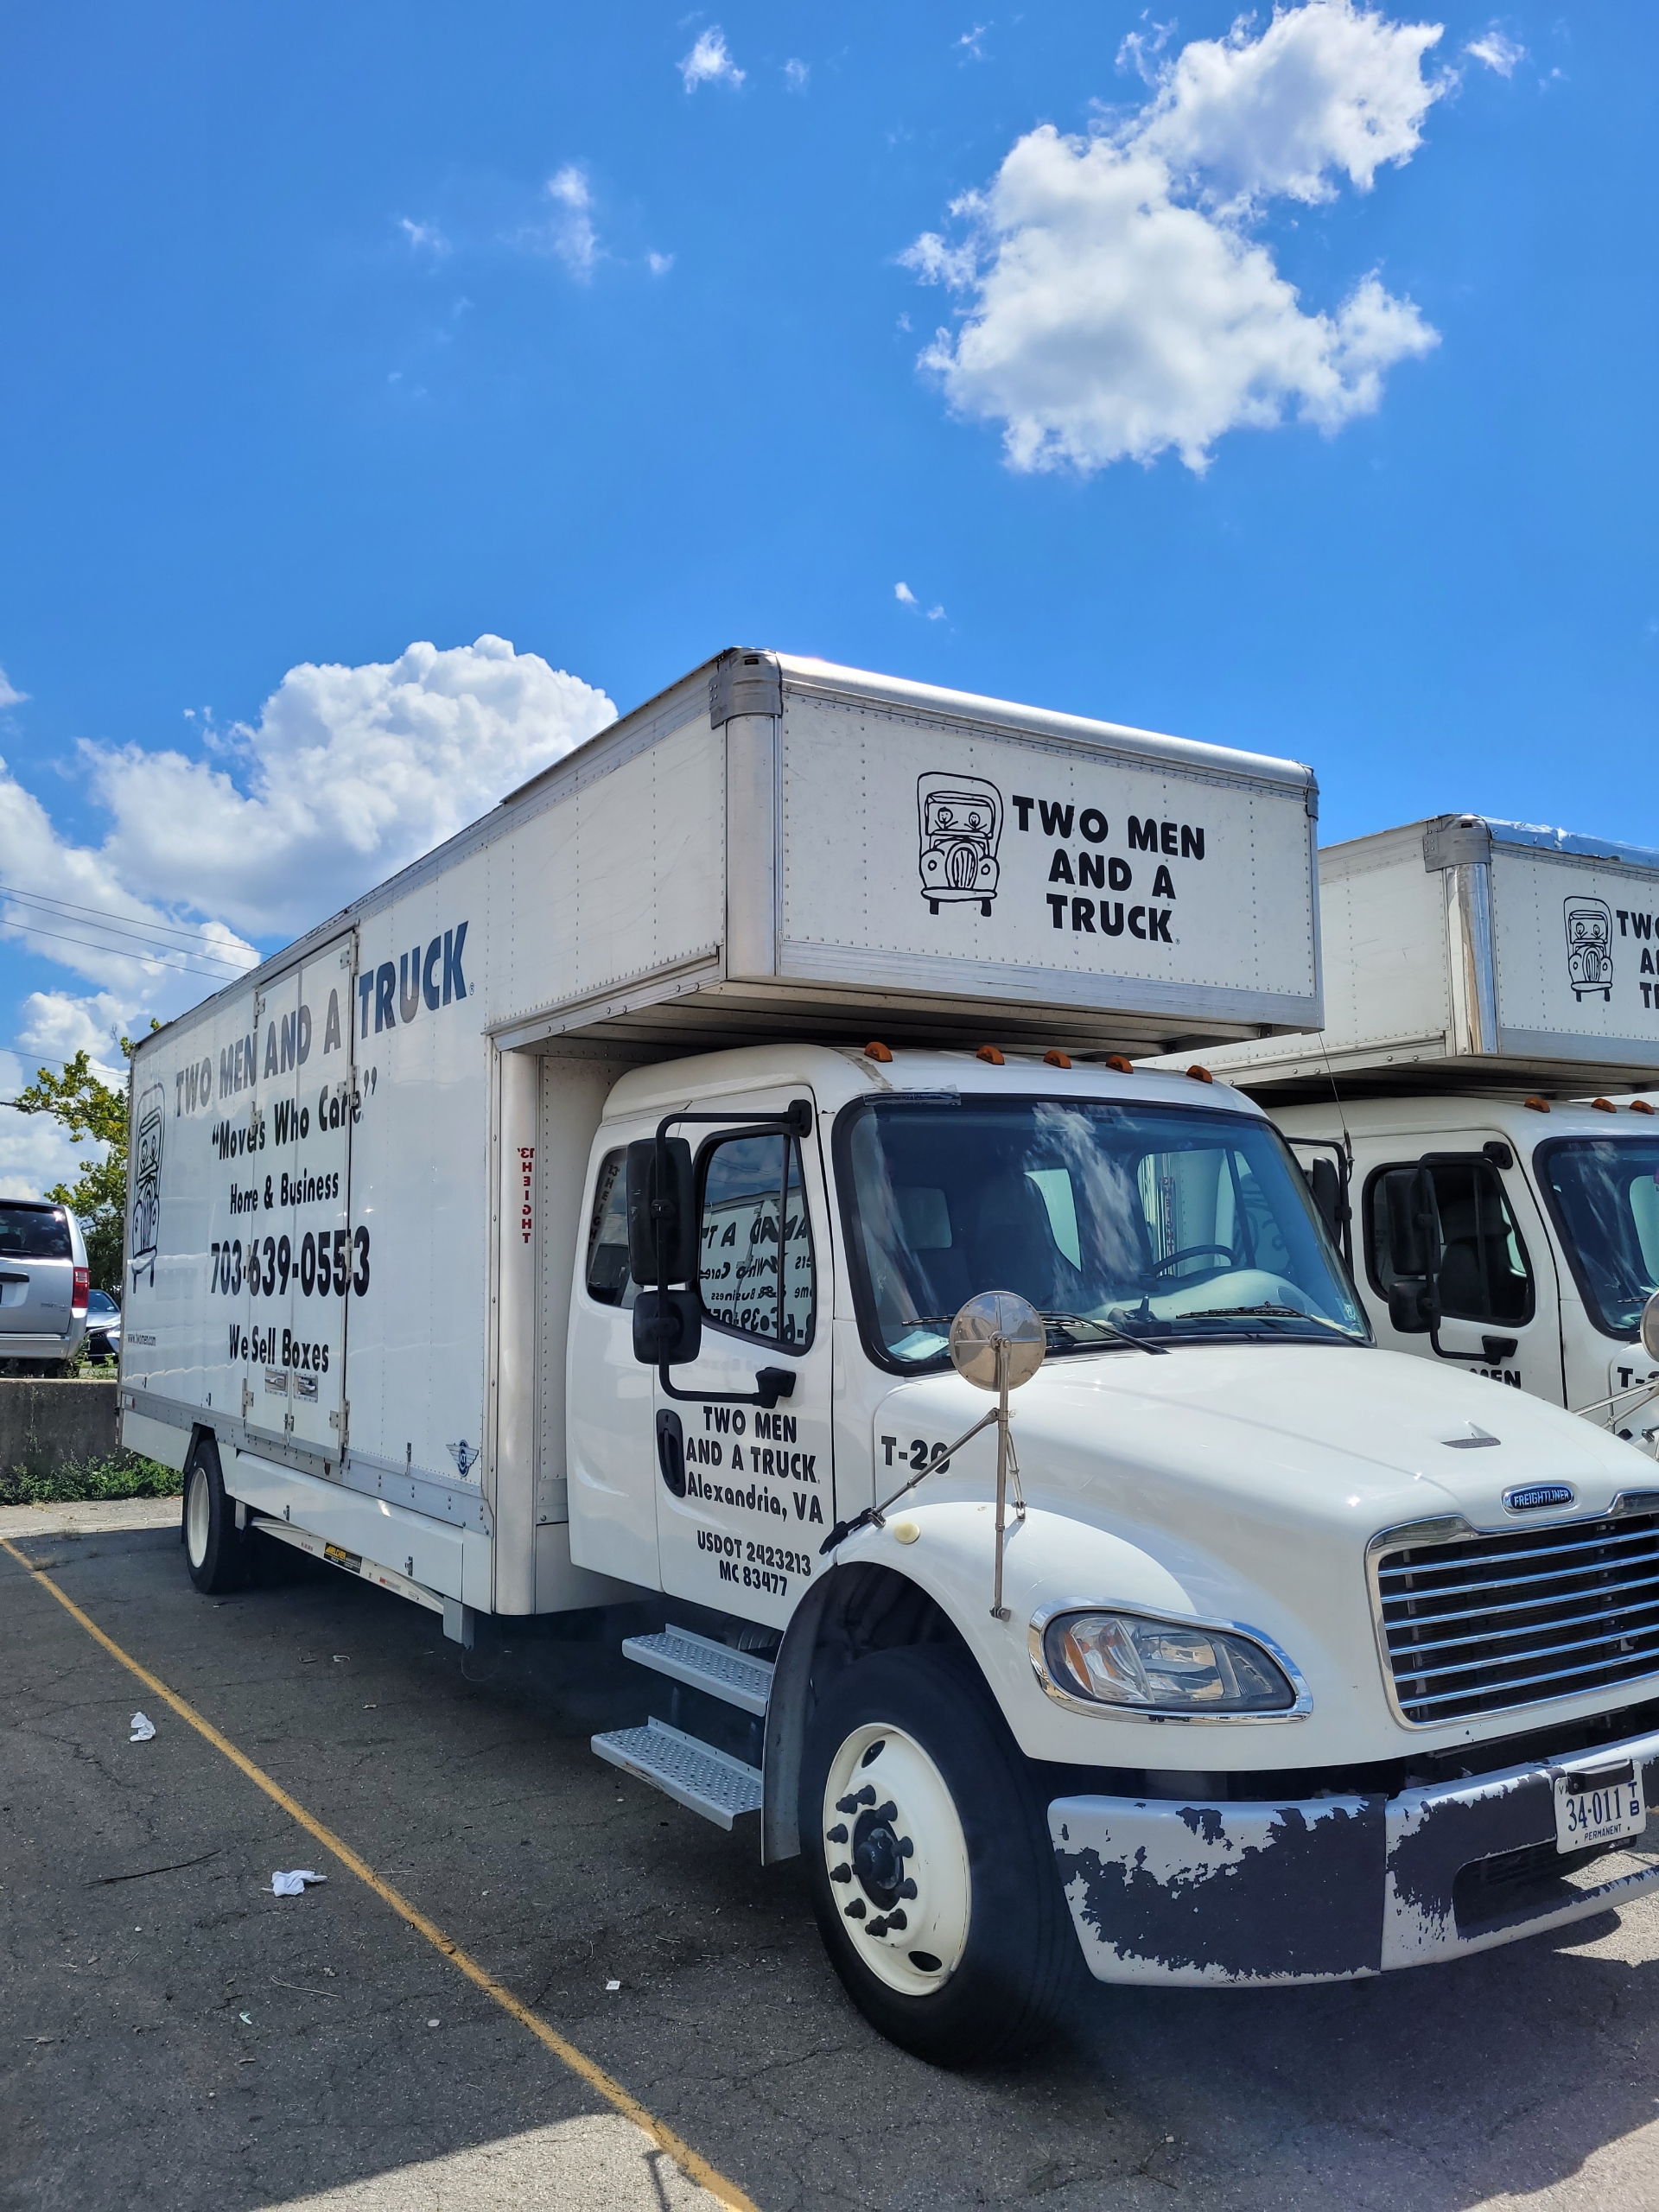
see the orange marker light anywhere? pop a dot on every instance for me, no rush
(1200, 1075)
(1604, 1105)
(1116, 1060)
(1640, 1106)
(1537, 1105)
(874, 1052)
(1057, 1059)
(989, 1052)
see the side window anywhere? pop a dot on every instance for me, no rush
(757, 1271)
(1484, 1274)
(608, 1283)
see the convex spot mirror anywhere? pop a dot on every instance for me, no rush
(667, 1326)
(1416, 1249)
(997, 1318)
(672, 1209)
(1650, 1327)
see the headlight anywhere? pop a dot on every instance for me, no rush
(1163, 1666)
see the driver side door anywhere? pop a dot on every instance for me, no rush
(745, 1493)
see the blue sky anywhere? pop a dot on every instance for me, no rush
(333, 332)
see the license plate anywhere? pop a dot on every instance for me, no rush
(1593, 1808)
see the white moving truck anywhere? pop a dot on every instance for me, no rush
(1483, 980)
(583, 1215)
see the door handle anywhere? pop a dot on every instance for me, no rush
(671, 1452)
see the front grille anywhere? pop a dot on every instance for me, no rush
(1485, 1623)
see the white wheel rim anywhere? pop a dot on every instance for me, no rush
(195, 1517)
(906, 1911)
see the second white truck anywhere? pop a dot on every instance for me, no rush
(632, 1200)
(1493, 1014)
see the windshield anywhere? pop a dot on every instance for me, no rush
(1604, 1195)
(1158, 1223)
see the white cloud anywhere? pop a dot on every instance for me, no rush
(568, 231)
(796, 74)
(424, 237)
(659, 263)
(348, 774)
(76, 906)
(1115, 303)
(969, 43)
(709, 61)
(905, 596)
(10, 696)
(1327, 87)
(35, 1152)
(1498, 51)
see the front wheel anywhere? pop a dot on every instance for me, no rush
(215, 1549)
(930, 1869)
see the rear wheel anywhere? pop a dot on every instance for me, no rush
(929, 1861)
(215, 1549)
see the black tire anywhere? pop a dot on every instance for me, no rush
(1014, 1961)
(215, 1549)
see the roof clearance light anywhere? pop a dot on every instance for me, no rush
(989, 1052)
(1640, 1106)
(1116, 1060)
(874, 1052)
(1536, 1105)
(1603, 1106)
(1199, 1074)
(1057, 1059)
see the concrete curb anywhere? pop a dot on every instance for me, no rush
(89, 1516)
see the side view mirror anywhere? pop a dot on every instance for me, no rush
(1326, 1186)
(1650, 1327)
(667, 1326)
(672, 1210)
(1416, 1249)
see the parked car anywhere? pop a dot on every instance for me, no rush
(44, 1285)
(103, 1325)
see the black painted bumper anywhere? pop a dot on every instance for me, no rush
(1335, 1887)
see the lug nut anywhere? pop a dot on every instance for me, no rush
(855, 1910)
(837, 1835)
(841, 1873)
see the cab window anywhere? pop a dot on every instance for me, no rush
(608, 1280)
(1484, 1274)
(756, 1269)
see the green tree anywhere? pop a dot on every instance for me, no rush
(89, 1107)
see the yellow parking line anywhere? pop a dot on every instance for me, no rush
(696, 2168)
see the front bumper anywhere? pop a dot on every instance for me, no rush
(1335, 1887)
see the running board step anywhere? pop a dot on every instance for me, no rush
(692, 1773)
(738, 1678)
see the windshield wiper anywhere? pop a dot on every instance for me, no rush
(1267, 1312)
(1067, 1322)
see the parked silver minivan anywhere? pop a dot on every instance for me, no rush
(43, 1283)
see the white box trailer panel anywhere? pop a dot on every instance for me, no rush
(1467, 950)
(357, 1173)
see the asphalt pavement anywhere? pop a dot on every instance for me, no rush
(174, 2036)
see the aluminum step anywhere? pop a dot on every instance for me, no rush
(738, 1678)
(693, 1774)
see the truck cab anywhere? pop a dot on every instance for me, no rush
(1238, 1629)
(1548, 1214)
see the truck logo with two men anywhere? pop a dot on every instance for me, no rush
(150, 1121)
(961, 820)
(1589, 947)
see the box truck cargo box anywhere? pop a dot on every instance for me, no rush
(1461, 950)
(658, 1192)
